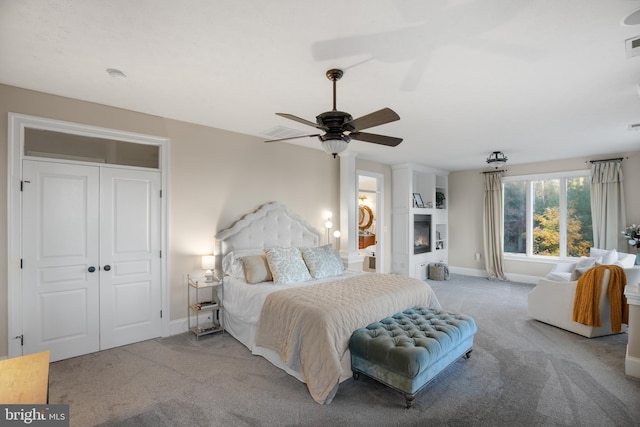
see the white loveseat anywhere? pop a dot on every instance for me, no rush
(566, 271)
(551, 301)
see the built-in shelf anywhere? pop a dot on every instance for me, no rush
(432, 187)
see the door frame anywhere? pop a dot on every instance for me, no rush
(380, 217)
(15, 155)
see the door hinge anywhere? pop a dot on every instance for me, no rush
(21, 338)
(21, 263)
(160, 254)
(22, 183)
(161, 314)
(161, 194)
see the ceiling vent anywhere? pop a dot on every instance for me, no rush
(633, 47)
(281, 132)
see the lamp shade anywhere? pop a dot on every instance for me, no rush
(334, 146)
(208, 262)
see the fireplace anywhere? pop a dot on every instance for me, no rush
(421, 234)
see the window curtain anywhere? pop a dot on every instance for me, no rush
(607, 205)
(492, 225)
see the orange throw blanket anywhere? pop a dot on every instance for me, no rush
(587, 299)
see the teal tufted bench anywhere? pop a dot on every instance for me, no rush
(407, 350)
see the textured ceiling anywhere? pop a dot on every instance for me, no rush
(536, 79)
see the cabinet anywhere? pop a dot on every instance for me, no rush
(419, 231)
(204, 307)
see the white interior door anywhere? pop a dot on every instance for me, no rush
(91, 257)
(130, 292)
(60, 292)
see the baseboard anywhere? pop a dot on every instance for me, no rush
(474, 272)
(178, 326)
(632, 365)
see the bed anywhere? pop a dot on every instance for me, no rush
(288, 299)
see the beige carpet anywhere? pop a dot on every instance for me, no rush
(521, 373)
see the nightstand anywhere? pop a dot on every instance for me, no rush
(204, 307)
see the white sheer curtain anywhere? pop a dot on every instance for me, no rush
(607, 205)
(492, 225)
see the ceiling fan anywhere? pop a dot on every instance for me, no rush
(340, 127)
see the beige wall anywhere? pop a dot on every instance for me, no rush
(466, 201)
(215, 177)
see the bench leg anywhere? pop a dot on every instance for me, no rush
(409, 399)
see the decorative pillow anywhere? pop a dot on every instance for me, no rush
(287, 265)
(256, 269)
(583, 265)
(625, 260)
(232, 264)
(608, 256)
(322, 262)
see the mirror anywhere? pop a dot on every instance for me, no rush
(366, 217)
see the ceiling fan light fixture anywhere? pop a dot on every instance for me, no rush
(334, 146)
(340, 127)
(497, 159)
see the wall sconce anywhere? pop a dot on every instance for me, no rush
(336, 235)
(328, 224)
(209, 264)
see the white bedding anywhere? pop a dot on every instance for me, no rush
(244, 301)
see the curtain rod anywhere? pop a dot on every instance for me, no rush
(501, 170)
(619, 159)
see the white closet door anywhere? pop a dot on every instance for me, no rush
(130, 285)
(60, 294)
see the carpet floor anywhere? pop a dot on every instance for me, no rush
(521, 373)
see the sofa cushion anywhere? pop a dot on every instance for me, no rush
(626, 260)
(558, 276)
(608, 256)
(584, 265)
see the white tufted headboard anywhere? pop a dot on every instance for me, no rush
(270, 226)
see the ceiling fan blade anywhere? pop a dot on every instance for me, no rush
(390, 141)
(293, 137)
(380, 117)
(299, 120)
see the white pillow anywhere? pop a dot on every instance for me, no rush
(232, 264)
(608, 256)
(625, 260)
(287, 265)
(322, 262)
(256, 269)
(583, 265)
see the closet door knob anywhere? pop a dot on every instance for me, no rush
(107, 267)
(92, 269)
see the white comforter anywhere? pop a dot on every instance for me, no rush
(310, 326)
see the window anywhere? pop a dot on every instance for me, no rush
(548, 215)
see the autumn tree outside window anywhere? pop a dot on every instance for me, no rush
(548, 215)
